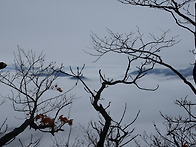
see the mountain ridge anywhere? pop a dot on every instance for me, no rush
(186, 72)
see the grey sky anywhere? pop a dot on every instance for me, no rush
(61, 29)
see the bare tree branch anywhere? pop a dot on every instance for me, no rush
(180, 10)
(30, 82)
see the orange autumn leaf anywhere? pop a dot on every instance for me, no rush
(45, 120)
(66, 120)
(70, 122)
(59, 89)
(63, 119)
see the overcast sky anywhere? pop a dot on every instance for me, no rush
(61, 29)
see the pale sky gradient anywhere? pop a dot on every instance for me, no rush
(61, 29)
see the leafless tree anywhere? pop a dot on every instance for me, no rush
(111, 132)
(119, 134)
(181, 10)
(36, 93)
(134, 45)
(180, 130)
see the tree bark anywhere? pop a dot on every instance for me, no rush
(103, 133)
(11, 135)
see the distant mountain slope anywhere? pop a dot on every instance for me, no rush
(157, 71)
(58, 73)
(167, 72)
(36, 72)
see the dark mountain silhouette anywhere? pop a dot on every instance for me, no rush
(58, 73)
(36, 72)
(186, 72)
(167, 72)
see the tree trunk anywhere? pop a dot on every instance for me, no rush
(11, 135)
